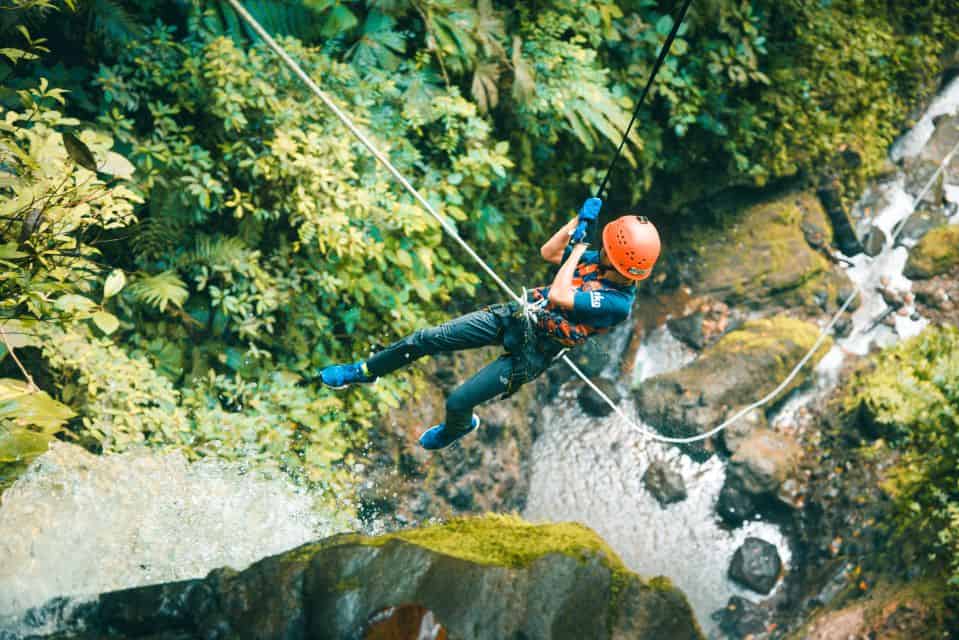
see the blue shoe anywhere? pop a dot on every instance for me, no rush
(340, 376)
(438, 437)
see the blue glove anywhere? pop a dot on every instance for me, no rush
(587, 216)
(590, 209)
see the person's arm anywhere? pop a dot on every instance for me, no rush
(552, 251)
(562, 292)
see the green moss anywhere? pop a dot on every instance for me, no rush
(759, 251)
(774, 336)
(506, 541)
(936, 253)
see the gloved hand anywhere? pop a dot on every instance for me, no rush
(587, 217)
(590, 209)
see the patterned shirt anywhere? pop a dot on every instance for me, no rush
(598, 304)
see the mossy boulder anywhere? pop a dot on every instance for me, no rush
(936, 253)
(765, 252)
(743, 366)
(489, 577)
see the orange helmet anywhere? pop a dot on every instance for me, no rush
(632, 244)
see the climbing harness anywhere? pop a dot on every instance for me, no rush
(528, 309)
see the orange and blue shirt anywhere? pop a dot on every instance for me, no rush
(598, 304)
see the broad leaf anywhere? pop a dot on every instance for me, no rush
(79, 152)
(106, 322)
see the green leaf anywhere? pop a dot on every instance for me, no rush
(664, 25)
(15, 55)
(31, 408)
(106, 322)
(73, 303)
(160, 290)
(114, 283)
(403, 259)
(79, 152)
(9, 251)
(118, 166)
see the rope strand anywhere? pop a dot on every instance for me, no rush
(284, 56)
(663, 52)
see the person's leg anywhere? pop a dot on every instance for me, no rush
(477, 329)
(490, 382)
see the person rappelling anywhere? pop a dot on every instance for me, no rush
(592, 292)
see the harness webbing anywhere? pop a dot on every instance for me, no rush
(451, 230)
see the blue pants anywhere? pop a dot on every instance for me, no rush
(495, 325)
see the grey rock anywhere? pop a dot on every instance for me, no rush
(333, 589)
(689, 329)
(735, 505)
(920, 223)
(756, 565)
(741, 618)
(665, 483)
(736, 433)
(763, 461)
(592, 403)
(874, 241)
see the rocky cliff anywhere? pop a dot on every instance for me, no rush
(493, 577)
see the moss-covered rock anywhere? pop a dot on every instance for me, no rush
(765, 252)
(490, 577)
(936, 253)
(742, 367)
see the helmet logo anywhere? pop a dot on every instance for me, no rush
(638, 272)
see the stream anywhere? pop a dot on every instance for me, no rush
(590, 469)
(78, 524)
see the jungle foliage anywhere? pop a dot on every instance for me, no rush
(187, 237)
(910, 395)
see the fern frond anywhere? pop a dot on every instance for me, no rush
(160, 290)
(157, 237)
(219, 253)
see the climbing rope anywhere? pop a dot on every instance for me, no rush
(527, 307)
(663, 52)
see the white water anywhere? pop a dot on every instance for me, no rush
(590, 469)
(78, 524)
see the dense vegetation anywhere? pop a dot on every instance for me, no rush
(910, 396)
(185, 238)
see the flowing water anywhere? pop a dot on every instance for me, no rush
(590, 469)
(79, 524)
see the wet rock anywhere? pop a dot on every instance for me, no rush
(933, 297)
(829, 196)
(756, 565)
(665, 483)
(936, 253)
(761, 255)
(843, 327)
(920, 170)
(845, 290)
(893, 299)
(763, 461)
(920, 223)
(735, 505)
(874, 242)
(741, 618)
(741, 367)
(689, 329)
(591, 402)
(493, 577)
(737, 432)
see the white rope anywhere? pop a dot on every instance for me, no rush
(528, 308)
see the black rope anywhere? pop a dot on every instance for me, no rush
(649, 83)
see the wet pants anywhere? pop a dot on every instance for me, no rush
(495, 325)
